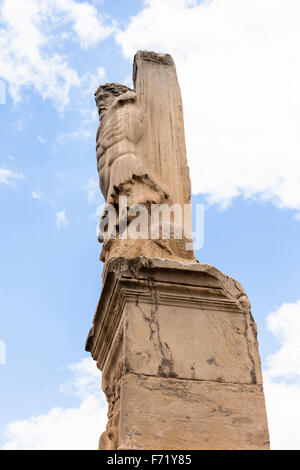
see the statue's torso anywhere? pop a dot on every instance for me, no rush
(117, 135)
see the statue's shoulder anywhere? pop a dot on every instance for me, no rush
(129, 96)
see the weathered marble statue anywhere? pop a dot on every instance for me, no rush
(175, 339)
(129, 166)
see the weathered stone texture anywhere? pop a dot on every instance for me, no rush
(191, 414)
(162, 148)
(177, 347)
(175, 340)
(141, 156)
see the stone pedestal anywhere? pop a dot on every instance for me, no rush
(177, 347)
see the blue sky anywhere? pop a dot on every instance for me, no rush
(242, 118)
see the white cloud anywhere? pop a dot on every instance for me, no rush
(282, 378)
(90, 81)
(282, 400)
(40, 139)
(239, 70)
(28, 39)
(86, 380)
(9, 177)
(87, 22)
(71, 428)
(19, 124)
(79, 134)
(36, 195)
(61, 219)
(93, 191)
(86, 108)
(24, 60)
(284, 323)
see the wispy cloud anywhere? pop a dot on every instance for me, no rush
(86, 109)
(61, 219)
(78, 134)
(93, 191)
(87, 23)
(90, 81)
(36, 195)
(9, 177)
(19, 124)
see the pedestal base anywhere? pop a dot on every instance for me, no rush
(177, 347)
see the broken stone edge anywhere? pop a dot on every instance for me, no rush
(142, 269)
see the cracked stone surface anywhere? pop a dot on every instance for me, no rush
(221, 349)
(187, 414)
(177, 346)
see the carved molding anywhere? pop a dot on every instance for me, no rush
(172, 283)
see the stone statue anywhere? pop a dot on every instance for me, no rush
(175, 339)
(128, 168)
(120, 130)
